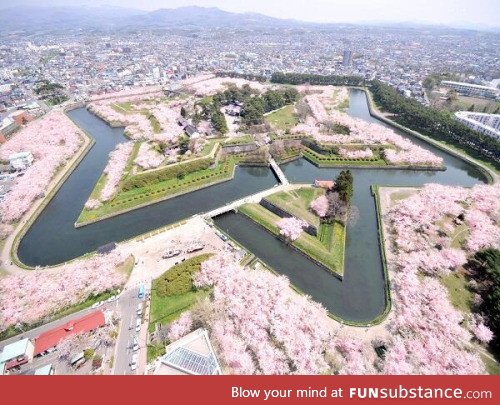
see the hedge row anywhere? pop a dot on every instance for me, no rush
(223, 170)
(323, 158)
(179, 278)
(166, 173)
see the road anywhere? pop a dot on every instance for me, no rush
(52, 358)
(127, 308)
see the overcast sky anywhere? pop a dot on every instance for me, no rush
(448, 12)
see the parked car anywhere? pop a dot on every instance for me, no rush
(78, 360)
(138, 325)
(194, 247)
(96, 304)
(221, 235)
(135, 344)
(139, 309)
(171, 253)
(133, 363)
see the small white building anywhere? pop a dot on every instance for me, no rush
(486, 124)
(16, 353)
(8, 126)
(21, 160)
(472, 90)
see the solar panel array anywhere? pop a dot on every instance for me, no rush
(190, 361)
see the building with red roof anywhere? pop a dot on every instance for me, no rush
(52, 337)
(326, 184)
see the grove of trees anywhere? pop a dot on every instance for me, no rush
(339, 207)
(320, 80)
(254, 105)
(433, 123)
(486, 267)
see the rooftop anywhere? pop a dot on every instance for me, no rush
(477, 86)
(14, 350)
(45, 370)
(19, 155)
(190, 355)
(84, 324)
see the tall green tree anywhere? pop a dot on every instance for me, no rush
(219, 122)
(344, 186)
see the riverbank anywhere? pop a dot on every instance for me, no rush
(355, 298)
(138, 198)
(10, 261)
(373, 163)
(327, 252)
(491, 175)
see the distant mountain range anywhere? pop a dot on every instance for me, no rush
(36, 18)
(56, 18)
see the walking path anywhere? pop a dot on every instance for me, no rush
(254, 198)
(281, 176)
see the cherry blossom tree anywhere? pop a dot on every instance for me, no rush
(480, 331)
(114, 169)
(180, 327)
(203, 86)
(291, 227)
(93, 204)
(5, 231)
(356, 154)
(133, 92)
(259, 324)
(320, 205)
(428, 336)
(403, 151)
(147, 157)
(37, 294)
(52, 139)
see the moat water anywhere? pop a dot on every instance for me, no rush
(358, 297)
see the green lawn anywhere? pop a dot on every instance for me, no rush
(127, 266)
(169, 301)
(327, 248)
(283, 119)
(460, 296)
(173, 292)
(260, 215)
(154, 123)
(492, 366)
(150, 194)
(239, 140)
(459, 236)
(155, 351)
(296, 203)
(401, 195)
(123, 108)
(165, 309)
(344, 105)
